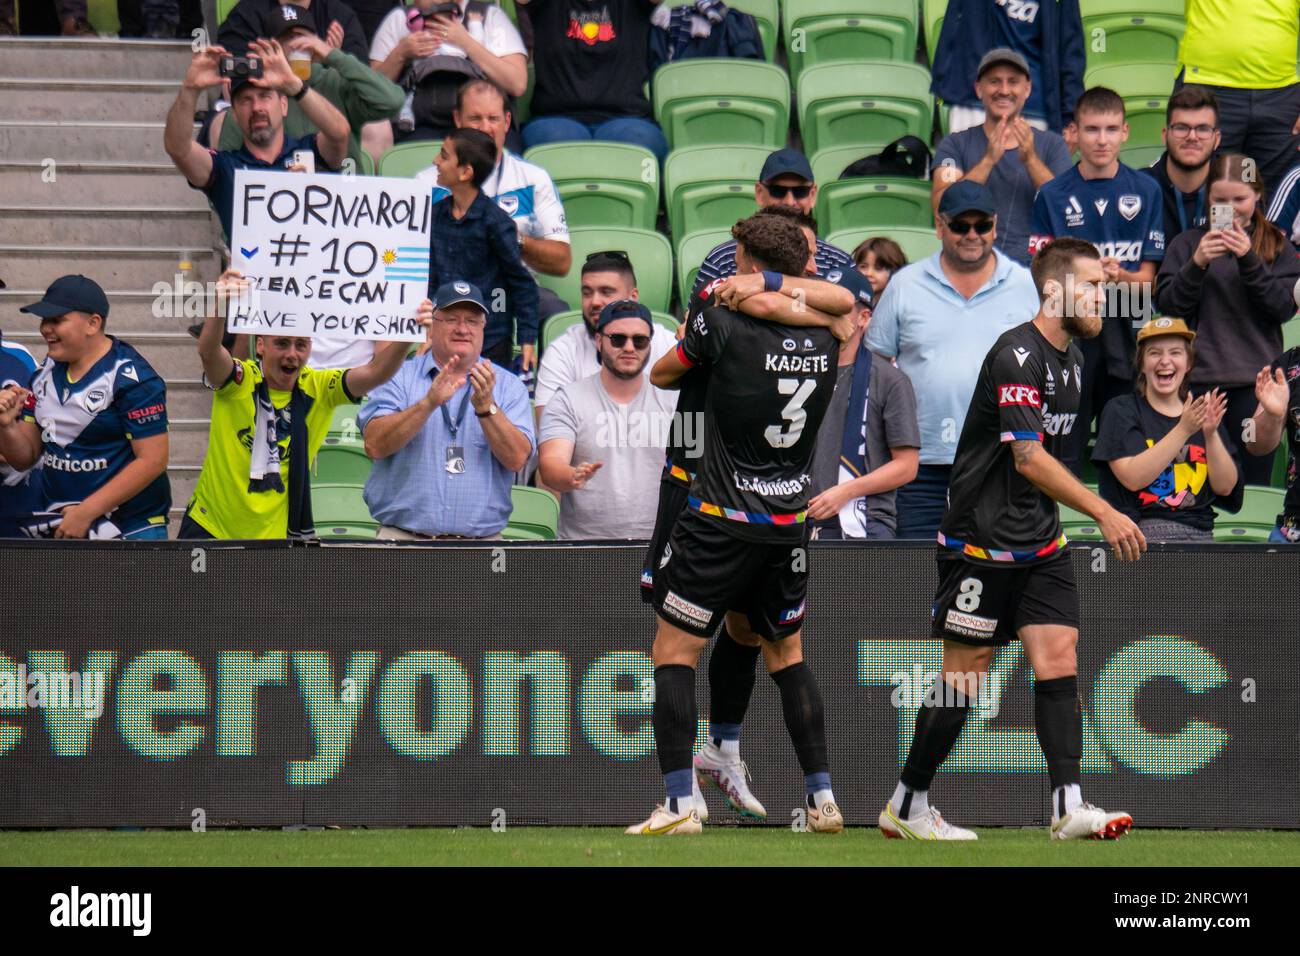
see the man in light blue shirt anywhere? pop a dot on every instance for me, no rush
(447, 433)
(938, 318)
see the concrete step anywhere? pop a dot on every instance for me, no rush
(139, 101)
(129, 311)
(81, 183)
(87, 58)
(187, 440)
(133, 267)
(88, 140)
(172, 354)
(183, 479)
(188, 398)
(118, 225)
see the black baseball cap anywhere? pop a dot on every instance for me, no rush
(280, 19)
(452, 293)
(786, 162)
(70, 294)
(855, 282)
(966, 196)
(624, 309)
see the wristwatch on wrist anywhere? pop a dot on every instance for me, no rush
(302, 91)
(492, 410)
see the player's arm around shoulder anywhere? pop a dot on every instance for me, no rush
(703, 338)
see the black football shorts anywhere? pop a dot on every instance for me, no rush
(703, 572)
(672, 502)
(983, 603)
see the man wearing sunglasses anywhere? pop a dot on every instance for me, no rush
(937, 317)
(786, 180)
(607, 276)
(600, 446)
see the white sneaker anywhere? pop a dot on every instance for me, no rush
(930, 826)
(1086, 822)
(825, 819)
(701, 807)
(664, 823)
(729, 776)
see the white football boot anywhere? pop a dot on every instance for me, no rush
(825, 818)
(929, 826)
(701, 807)
(664, 822)
(728, 775)
(1086, 822)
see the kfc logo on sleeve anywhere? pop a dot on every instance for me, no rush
(1018, 395)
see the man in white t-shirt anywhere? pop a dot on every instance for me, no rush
(413, 39)
(601, 441)
(524, 190)
(606, 277)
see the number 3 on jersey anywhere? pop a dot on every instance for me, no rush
(969, 598)
(793, 412)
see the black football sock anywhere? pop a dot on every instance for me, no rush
(801, 702)
(938, 724)
(1058, 721)
(731, 683)
(674, 723)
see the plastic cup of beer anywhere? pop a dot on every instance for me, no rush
(300, 64)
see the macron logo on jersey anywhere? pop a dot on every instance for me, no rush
(1018, 395)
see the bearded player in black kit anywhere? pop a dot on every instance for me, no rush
(1003, 570)
(739, 549)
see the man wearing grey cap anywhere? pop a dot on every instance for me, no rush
(937, 317)
(786, 179)
(1049, 38)
(447, 433)
(1004, 153)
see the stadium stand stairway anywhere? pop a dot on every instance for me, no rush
(85, 186)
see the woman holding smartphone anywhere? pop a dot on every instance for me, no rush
(1163, 456)
(1233, 286)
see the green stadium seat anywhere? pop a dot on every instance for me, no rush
(826, 31)
(523, 104)
(340, 464)
(828, 163)
(367, 164)
(917, 242)
(705, 101)
(1139, 156)
(651, 255)
(1255, 521)
(223, 10)
(557, 325)
(767, 15)
(346, 532)
(513, 532)
(534, 511)
(340, 504)
(1131, 30)
(407, 159)
(691, 250)
(932, 12)
(1079, 526)
(1291, 334)
(343, 424)
(666, 320)
(874, 101)
(886, 200)
(1145, 89)
(710, 187)
(1281, 459)
(602, 184)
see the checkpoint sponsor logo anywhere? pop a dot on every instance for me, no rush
(969, 625)
(1018, 395)
(792, 614)
(684, 610)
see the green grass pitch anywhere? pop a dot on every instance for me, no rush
(604, 846)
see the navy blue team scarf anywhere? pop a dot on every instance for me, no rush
(853, 445)
(265, 465)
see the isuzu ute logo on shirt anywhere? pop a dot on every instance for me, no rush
(1018, 395)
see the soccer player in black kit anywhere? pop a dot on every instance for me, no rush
(739, 549)
(1003, 570)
